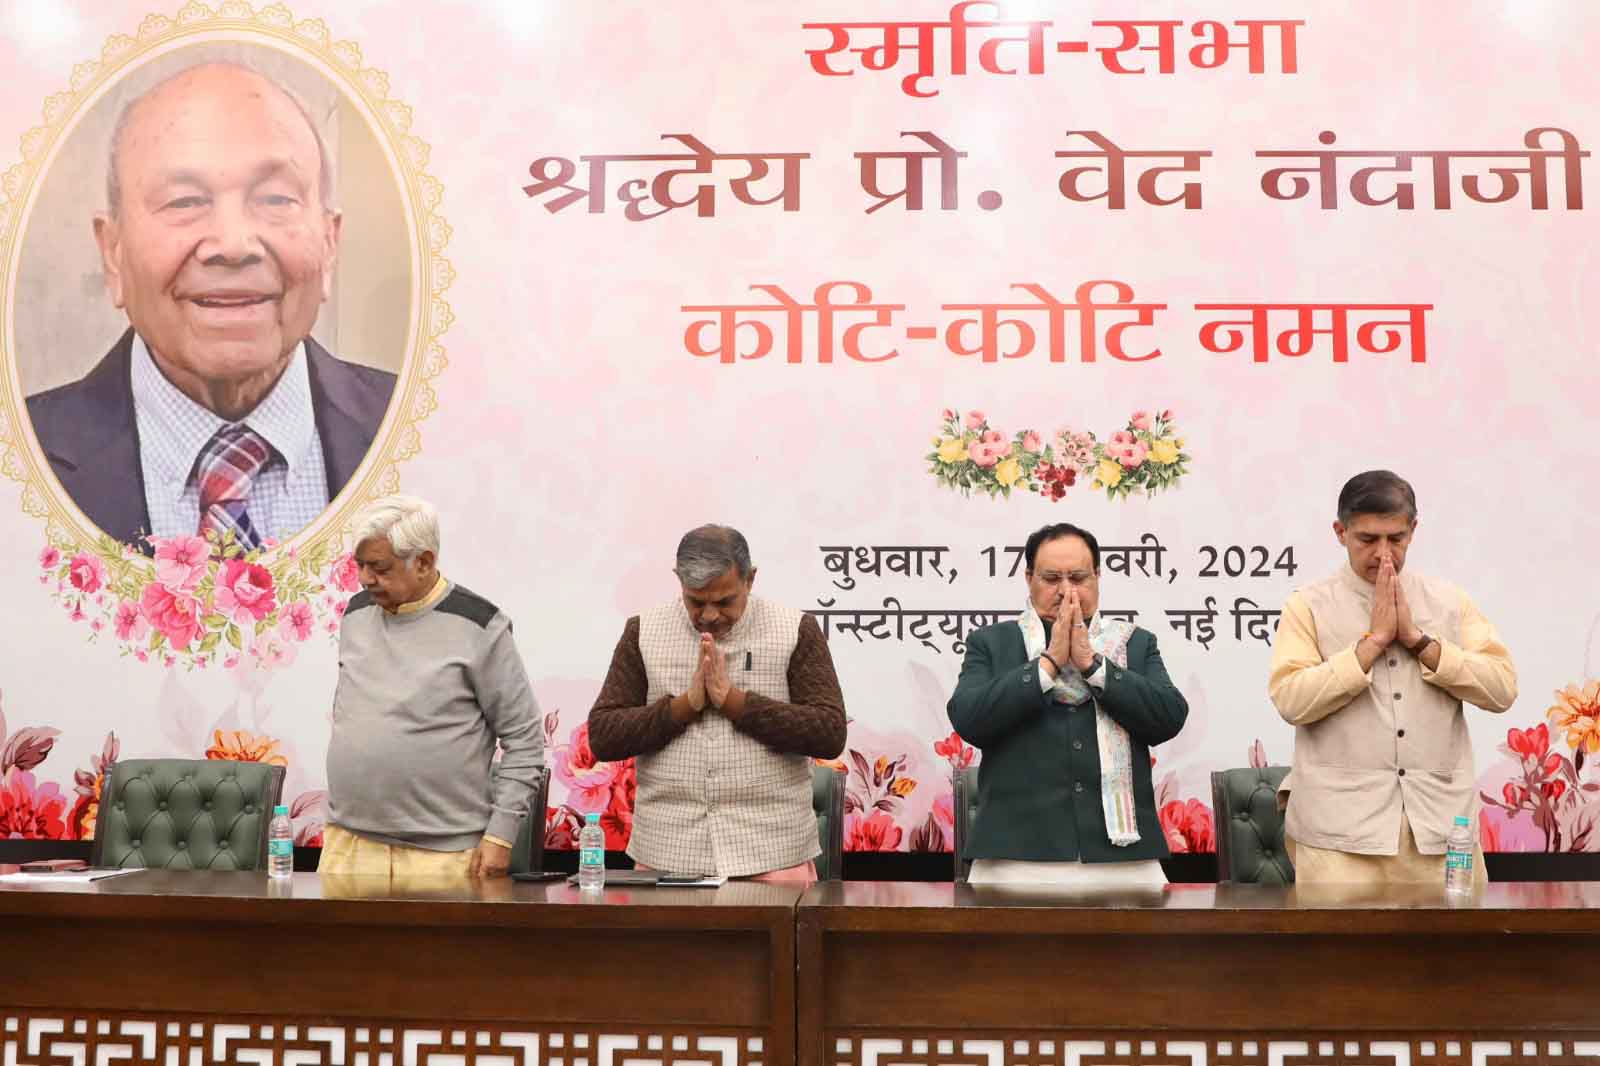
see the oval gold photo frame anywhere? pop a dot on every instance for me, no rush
(67, 528)
(298, 588)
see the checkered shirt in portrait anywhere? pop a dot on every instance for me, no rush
(715, 800)
(288, 494)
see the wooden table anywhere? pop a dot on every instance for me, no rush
(1208, 975)
(359, 972)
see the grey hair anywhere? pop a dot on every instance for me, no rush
(409, 524)
(704, 554)
(325, 183)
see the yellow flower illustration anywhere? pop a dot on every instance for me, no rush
(952, 451)
(1164, 452)
(1108, 473)
(1008, 472)
(1577, 710)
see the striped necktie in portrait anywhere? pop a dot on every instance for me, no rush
(227, 466)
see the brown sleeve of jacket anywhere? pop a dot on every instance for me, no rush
(812, 722)
(621, 724)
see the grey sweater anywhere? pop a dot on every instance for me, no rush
(421, 701)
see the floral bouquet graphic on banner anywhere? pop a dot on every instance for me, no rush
(201, 601)
(1145, 456)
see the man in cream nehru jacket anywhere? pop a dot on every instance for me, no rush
(1371, 665)
(429, 682)
(724, 698)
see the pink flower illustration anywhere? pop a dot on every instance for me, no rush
(346, 575)
(1134, 455)
(990, 436)
(974, 419)
(174, 613)
(947, 415)
(244, 592)
(31, 811)
(181, 561)
(944, 809)
(1168, 416)
(76, 613)
(88, 573)
(49, 558)
(296, 620)
(1142, 420)
(1188, 826)
(130, 624)
(588, 780)
(1032, 443)
(273, 654)
(875, 833)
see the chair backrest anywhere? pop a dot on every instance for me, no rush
(964, 785)
(186, 814)
(527, 852)
(1249, 826)
(827, 803)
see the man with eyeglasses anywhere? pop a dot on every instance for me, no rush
(1065, 706)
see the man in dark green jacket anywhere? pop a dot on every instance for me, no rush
(1065, 706)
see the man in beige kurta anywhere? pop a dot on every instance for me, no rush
(1371, 666)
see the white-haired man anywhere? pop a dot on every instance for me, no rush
(429, 682)
(722, 696)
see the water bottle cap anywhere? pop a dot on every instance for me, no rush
(591, 819)
(282, 808)
(1461, 819)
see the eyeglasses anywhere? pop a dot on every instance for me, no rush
(1075, 578)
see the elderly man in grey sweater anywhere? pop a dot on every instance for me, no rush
(429, 682)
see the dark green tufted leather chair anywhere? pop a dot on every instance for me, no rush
(1249, 826)
(527, 853)
(827, 803)
(964, 783)
(186, 814)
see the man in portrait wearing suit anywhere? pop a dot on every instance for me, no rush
(216, 411)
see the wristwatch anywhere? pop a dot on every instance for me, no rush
(1420, 646)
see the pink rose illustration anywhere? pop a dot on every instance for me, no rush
(244, 592)
(974, 419)
(174, 613)
(1168, 416)
(130, 624)
(49, 558)
(1133, 455)
(296, 620)
(1122, 436)
(984, 455)
(88, 573)
(181, 561)
(1142, 420)
(346, 575)
(1032, 443)
(990, 436)
(948, 415)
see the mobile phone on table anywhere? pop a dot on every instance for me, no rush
(540, 875)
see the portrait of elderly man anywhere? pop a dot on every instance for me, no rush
(215, 410)
(724, 698)
(429, 683)
(1371, 665)
(1065, 706)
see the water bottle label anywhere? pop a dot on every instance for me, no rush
(592, 857)
(280, 849)
(1458, 860)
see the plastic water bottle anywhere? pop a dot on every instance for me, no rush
(1458, 859)
(591, 854)
(280, 844)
